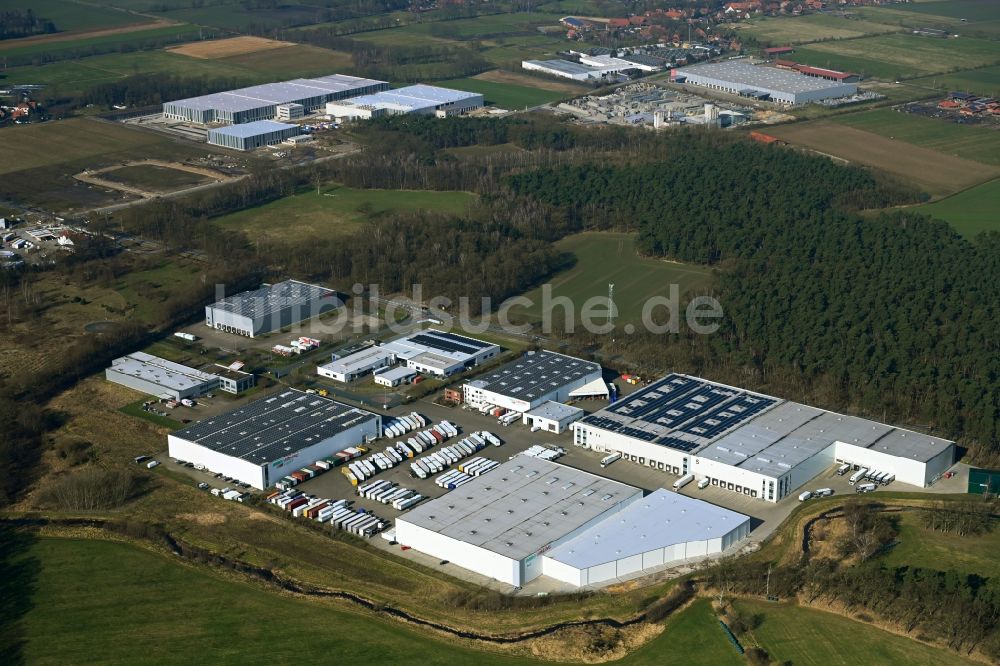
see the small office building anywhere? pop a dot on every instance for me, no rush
(395, 377)
(554, 417)
(532, 380)
(358, 364)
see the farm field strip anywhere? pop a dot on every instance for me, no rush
(937, 173)
(971, 211)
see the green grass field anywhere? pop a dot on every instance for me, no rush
(901, 56)
(69, 15)
(814, 27)
(300, 60)
(807, 637)
(920, 547)
(155, 178)
(506, 95)
(238, 16)
(146, 290)
(971, 10)
(604, 258)
(971, 211)
(11, 49)
(983, 81)
(135, 409)
(971, 142)
(336, 211)
(113, 603)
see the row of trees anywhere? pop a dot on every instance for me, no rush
(16, 23)
(964, 518)
(145, 89)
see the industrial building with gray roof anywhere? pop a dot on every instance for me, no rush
(160, 377)
(264, 440)
(253, 135)
(533, 379)
(531, 517)
(751, 443)
(260, 102)
(270, 308)
(739, 77)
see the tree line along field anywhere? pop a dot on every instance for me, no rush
(900, 56)
(606, 257)
(981, 144)
(119, 604)
(69, 15)
(336, 211)
(971, 211)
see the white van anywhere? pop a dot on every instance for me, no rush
(804, 496)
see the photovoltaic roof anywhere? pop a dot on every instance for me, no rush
(535, 374)
(271, 428)
(269, 299)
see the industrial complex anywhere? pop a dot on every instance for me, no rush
(418, 99)
(261, 102)
(439, 353)
(762, 82)
(531, 517)
(536, 378)
(265, 439)
(270, 308)
(750, 443)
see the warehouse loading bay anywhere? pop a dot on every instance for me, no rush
(766, 517)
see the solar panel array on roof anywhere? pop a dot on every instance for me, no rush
(269, 299)
(681, 412)
(535, 374)
(270, 428)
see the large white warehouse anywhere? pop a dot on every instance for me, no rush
(531, 517)
(738, 77)
(419, 99)
(535, 378)
(750, 443)
(160, 377)
(270, 308)
(660, 529)
(266, 439)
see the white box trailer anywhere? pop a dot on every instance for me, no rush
(487, 467)
(491, 438)
(857, 476)
(407, 503)
(683, 481)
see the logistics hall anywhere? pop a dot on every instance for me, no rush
(531, 517)
(751, 443)
(262, 441)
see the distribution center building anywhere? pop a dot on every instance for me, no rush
(261, 102)
(160, 377)
(501, 524)
(531, 517)
(762, 82)
(419, 99)
(535, 378)
(570, 69)
(266, 439)
(270, 308)
(751, 443)
(251, 136)
(440, 353)
(662, 528)
(358, 364)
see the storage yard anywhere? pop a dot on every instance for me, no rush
(650, 105)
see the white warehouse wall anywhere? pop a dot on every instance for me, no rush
(463, 554)
(610, 442)
(237, 468)
(909, 471)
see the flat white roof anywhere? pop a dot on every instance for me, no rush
(410, 98)
(439, 346)
(661, 519)
(760, 77)
(520, 507)
(397, 374)
(361, 359)
(555, 411)
(160, 371)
